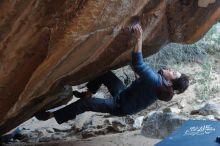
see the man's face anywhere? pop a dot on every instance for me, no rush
(170, 74)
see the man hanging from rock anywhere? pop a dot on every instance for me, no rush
(144, 91)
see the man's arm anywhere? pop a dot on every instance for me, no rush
(138, 34)
(141, 68)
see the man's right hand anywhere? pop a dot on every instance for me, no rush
(138, 32)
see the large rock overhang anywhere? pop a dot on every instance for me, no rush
(46, 44)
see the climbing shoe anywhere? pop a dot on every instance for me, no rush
(82, 95)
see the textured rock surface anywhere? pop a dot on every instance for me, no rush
(209, 108)
(161, 124)
(46, 44)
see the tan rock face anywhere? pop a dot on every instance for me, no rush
(46, 44)
(205, 3)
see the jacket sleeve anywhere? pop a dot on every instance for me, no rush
(144, 70)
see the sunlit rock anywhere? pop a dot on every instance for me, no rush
(47, 44)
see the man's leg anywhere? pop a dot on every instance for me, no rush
(92, 86)
(110, 80)
(82, 105)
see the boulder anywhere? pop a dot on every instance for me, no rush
(47, 44)
(161, 124)
(208, 108)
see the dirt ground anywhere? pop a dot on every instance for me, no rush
(121, 139)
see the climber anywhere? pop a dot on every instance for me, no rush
(125, 100)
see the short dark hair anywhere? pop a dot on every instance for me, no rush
(180, 84)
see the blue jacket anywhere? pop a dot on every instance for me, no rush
(143, 91)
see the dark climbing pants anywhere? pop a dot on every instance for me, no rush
(109, 105)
